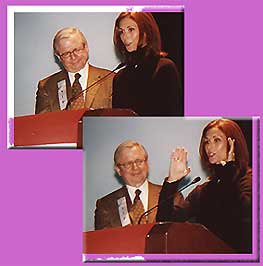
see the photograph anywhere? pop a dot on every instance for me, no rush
(130, 60)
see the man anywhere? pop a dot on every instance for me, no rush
(120, 207)
(71, 48)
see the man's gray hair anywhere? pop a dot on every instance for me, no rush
(67, 33)
(128, 144)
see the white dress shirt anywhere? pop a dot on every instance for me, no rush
(83, 80)
(143, 196)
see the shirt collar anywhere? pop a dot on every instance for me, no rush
(84, 76)
(143, 188)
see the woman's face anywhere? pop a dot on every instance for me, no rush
(129, 33)
(216, 146)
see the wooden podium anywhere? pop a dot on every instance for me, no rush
(62, 127)
(159, 238)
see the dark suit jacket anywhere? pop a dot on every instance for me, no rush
(107, 214)
(98, 96)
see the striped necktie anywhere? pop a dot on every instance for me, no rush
(137, 209)
(77, 103)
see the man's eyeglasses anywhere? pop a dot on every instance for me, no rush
(76, 51)
(130, 164)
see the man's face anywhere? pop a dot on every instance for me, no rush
(132, 166)
(73, 54)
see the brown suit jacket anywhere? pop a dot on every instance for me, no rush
(98, 96)
(107, 214)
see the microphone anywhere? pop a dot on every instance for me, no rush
(195, 180)
(72, 99)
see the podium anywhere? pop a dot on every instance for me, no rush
(62, 128)
(159, 238)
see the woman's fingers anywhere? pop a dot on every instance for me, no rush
(231, 153)
(178, 165)
(179, 154)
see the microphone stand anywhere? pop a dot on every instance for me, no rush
(195, 180)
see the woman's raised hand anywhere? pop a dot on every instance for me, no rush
(178, 165)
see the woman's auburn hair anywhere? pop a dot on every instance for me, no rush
(230, 129)
(147, 27)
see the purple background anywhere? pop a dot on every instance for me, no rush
(41, 190)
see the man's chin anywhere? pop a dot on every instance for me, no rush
(140, 179)
(75, 68)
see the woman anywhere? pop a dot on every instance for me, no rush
(149, 83)
(223, 204)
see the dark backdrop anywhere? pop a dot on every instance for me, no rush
(171, 25)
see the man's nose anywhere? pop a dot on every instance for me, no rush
(72, 55)
(134, 165)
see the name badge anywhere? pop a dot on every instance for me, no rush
(62, 94)
(123, 211)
